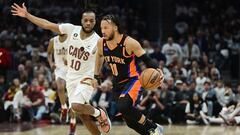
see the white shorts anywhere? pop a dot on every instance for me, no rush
(78, 92)
(60, 73)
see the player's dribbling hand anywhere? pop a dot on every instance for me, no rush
(19, 11)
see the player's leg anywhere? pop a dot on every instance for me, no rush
(73, 123)
(134, 118)
(62, 97)
(79, 100)
(90, 124)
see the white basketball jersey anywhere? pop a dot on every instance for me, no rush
(60, 52)
(81, 54)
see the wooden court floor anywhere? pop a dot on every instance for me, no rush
(123, 130)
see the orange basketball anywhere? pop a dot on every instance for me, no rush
(151, 78)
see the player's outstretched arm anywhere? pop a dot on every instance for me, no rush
(43, 23)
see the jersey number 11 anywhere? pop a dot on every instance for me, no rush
(114, 69)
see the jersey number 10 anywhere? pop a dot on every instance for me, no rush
(114, 69)
(75, 64)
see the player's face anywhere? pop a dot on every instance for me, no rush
(88, 22)
(107, 29)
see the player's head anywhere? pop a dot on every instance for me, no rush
(170, 40)
(109, 26)
(88, 21)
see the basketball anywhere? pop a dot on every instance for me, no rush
(151, 78)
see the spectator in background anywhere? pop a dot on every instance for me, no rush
(192, 77)
(158, 55)
(158, 105)
(181, 99)
(37, 108)
(41, 80)
(200, 80)
(21, 102)
(22, 73)
(225, 99)
(192, 87)
(29, 69)
(166, 72)
(8, 99)
(219, 89)
(50, 96)
(191, 51)
(147, 47)
(209, 96)
(193, 109)
(214, 74)
(172, 51)
(179, 72)
(171, 86)
(201, 42)
(194, 67)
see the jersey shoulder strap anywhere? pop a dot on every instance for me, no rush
(123, 40)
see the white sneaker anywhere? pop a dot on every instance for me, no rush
(158, 130)
(204, 118)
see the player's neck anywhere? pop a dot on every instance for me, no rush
(62, 38)
(84, 35)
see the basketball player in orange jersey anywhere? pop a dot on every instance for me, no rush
(120, 52)
(81, 55)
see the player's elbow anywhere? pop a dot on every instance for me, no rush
(50, 26)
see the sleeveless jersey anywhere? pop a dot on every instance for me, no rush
(122, 64)
(60, 52)
(81, 54)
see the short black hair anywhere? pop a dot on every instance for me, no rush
(114, 19)
(88, 10)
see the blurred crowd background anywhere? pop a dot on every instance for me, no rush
(197, 45)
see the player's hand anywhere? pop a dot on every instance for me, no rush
(19, 11)
(95, 83)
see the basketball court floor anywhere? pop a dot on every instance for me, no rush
(47, 129)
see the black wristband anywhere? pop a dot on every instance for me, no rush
(99, 80)
(150, 63)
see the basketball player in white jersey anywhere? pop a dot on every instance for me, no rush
(57, 49)
(81, 56)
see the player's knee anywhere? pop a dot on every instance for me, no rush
(76, 107)
(124, 105)
(61, 89)
(72, 114)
